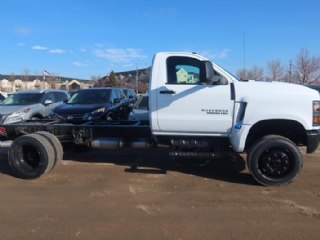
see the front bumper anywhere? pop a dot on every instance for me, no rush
(313, 140)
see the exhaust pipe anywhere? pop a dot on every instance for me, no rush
(117, 143)
(107, 143)
(140, 144)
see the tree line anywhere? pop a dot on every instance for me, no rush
(305, 69)
(138, 80)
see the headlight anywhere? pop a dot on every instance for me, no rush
(15, 117)
(94, 114)
(316, 113)
(25, 110)
(100, 110)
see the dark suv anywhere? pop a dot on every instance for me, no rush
(93, 104)
(315, 87)
(131, 95)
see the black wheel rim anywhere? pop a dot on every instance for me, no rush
(29, 157)
(275, 163)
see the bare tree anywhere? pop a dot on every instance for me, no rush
(275, 70)
(306, 67)
(52, 80)
(95, 78)
(288, 73)
(26, 73)
(12, 77)
(256, 73)
(242, 74)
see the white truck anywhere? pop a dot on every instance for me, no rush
(196, 107)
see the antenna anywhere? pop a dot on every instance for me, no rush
(244, 55)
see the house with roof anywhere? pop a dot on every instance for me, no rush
(10, 83)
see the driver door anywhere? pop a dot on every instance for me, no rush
(187, 106)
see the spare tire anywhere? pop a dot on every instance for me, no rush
(57, 147)
(31, 156)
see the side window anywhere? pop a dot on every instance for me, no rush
(114, 95)
(133, 93)
(60, 96)
(184, 70)
(122, 95)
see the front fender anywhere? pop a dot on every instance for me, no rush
(238, 137)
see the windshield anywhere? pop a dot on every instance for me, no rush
(23, 99)
(90, 97)
(226, 71)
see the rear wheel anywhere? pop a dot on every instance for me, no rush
(274, 160)
(57, 147)
(31, 156)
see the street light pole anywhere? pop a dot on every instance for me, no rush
(137, 79)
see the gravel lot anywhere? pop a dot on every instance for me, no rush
(100, 195)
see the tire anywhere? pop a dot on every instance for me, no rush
(274, 160)
(31, 156)
(57, 147)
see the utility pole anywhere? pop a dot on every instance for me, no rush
(290, 71)
(137, 79)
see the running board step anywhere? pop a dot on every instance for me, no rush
(192, 154)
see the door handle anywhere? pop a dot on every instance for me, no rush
(167, 92)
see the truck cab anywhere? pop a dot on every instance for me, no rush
(195, 104)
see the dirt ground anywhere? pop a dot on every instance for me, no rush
(99, 195)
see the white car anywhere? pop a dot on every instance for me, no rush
(30, 104)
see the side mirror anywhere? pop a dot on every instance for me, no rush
(209, 72)
(47, 102)
(212, 77)
(116, 100)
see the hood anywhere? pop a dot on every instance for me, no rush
(78, 108)
(276, 100)
(272, 91)
(6, 110)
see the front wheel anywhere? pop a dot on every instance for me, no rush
(274, 160)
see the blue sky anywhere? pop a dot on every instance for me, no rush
(85, 38)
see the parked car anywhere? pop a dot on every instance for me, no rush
(140, 111)
(30, 104)
(131, 95)
(3, 95)
(93, 104)
(315, 86)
